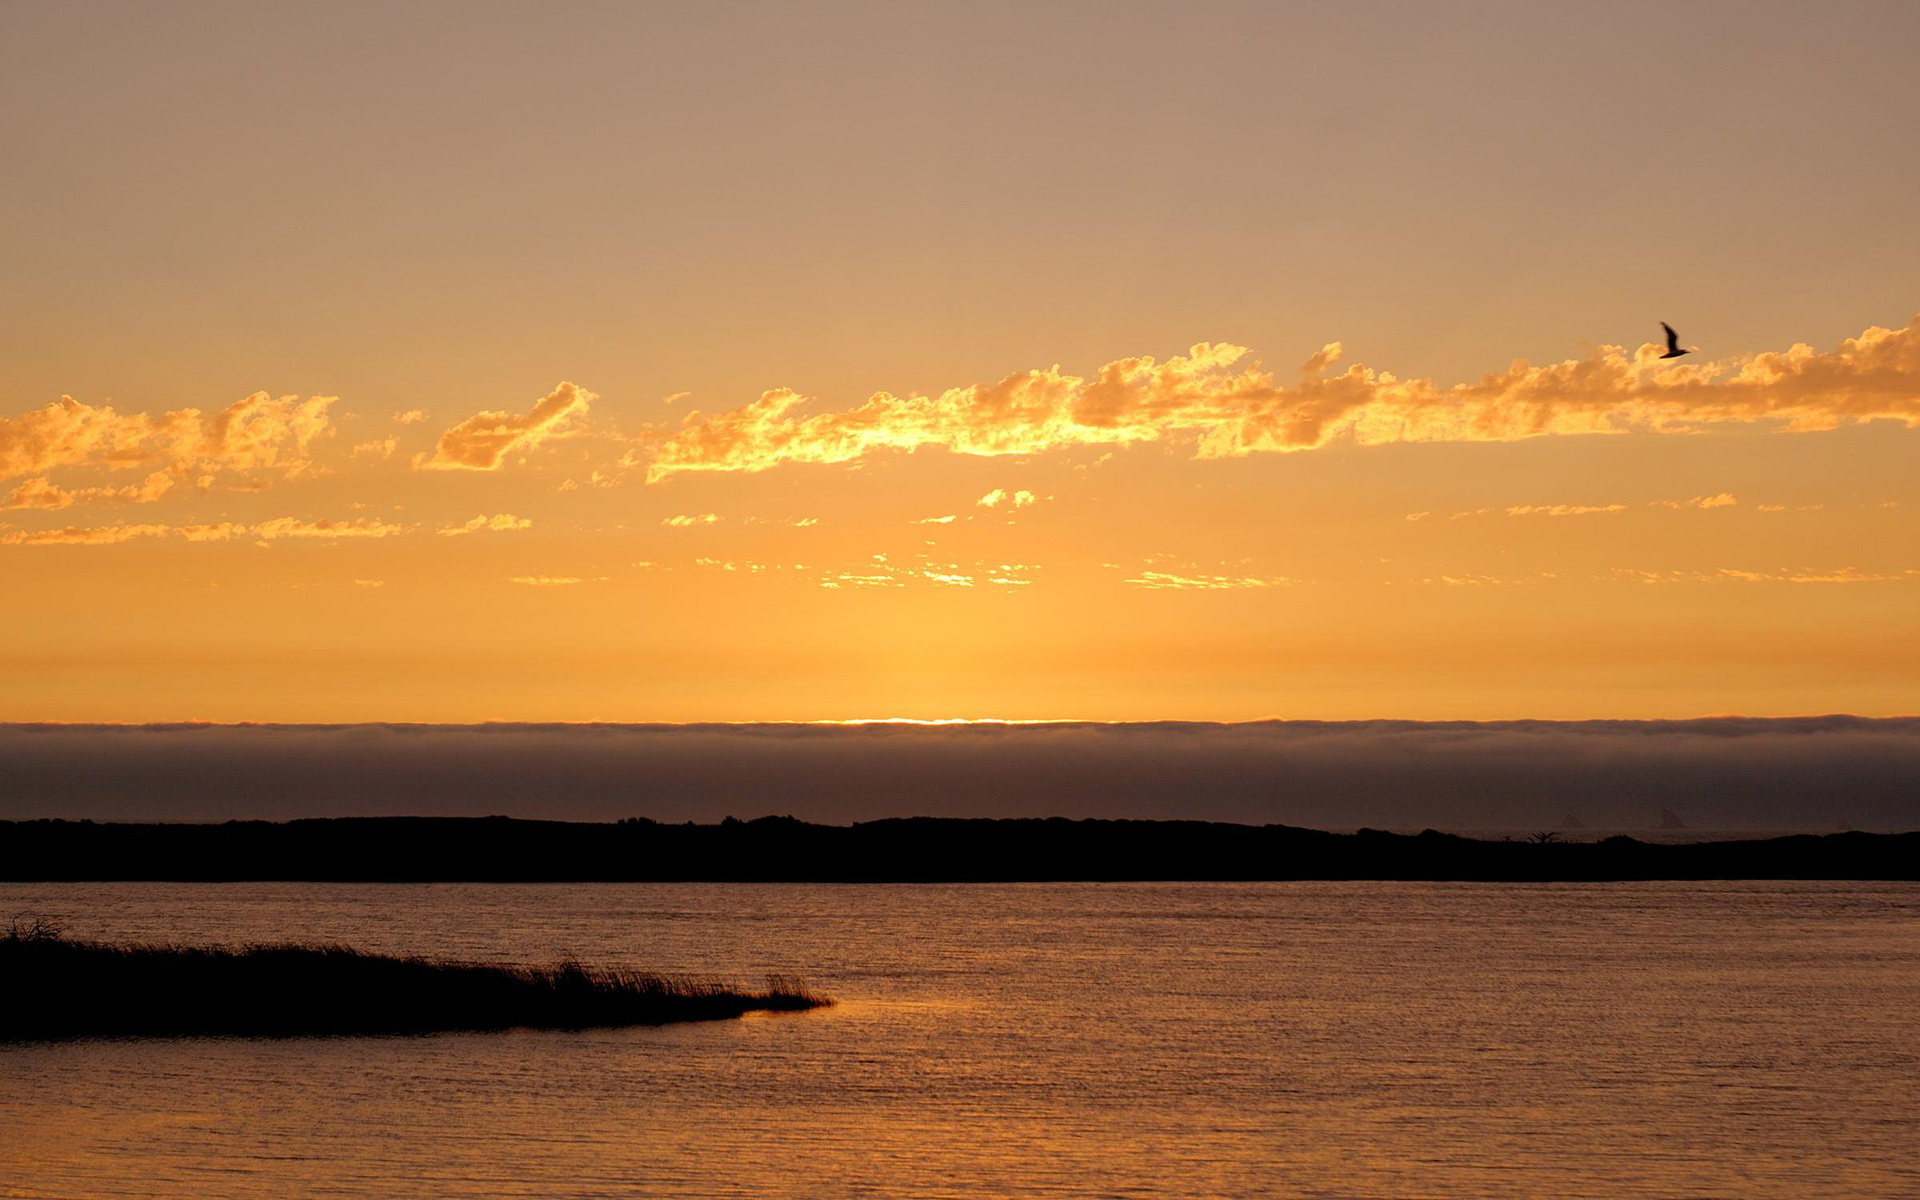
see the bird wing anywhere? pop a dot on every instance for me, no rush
(1673, 339)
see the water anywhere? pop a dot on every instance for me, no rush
(1293, 1040)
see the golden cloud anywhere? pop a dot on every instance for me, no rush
(1825, 575)
(258, 432)
(1168, 581)
(1560, 510)
(482, 441)
(278, 527)
(499, 523)
(999, 496)
(1229, 406)
(292, 527)
(41, 492)
(1722, 500)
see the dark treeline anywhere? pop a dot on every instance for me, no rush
(781, 849)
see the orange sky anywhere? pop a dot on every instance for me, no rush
(1112, 362)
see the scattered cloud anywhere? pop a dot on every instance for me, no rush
(382, 449)
(266, 531)
(1227, 405)
(999, 496)
(370, 583)
(293, 527)
(949, 519)
(545, 580)
(1467, 580)
(1722, 500)
(857, 579)
(500, 523)
(1828, 575)
(103, 535)
(259, 432)
(1166, 580)
(483, 441)
(41, 492)
(412, 416)
(1817, 575)
(793, 522)
(684, 520)
(1562, 510)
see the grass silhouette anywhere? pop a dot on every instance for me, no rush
(59, 987)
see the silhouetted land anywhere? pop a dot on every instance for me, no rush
(781, 849)
(56, 988)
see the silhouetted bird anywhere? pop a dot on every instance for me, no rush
(1673, 343)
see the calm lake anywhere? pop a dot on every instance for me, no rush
(1291, 1039)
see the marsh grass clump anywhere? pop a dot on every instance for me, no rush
(52, 986)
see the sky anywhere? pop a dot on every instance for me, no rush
(1110, 362)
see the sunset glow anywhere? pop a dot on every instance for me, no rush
(1598, 536)
(1176, 598)
(1301, 421)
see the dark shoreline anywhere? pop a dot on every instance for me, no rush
(59, 988)
(903, 850)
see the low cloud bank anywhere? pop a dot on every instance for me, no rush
(1717, 773)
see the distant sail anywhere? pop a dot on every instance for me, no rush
(1671, 820)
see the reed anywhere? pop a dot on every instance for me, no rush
(52, 986)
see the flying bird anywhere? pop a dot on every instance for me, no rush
(1673, 343)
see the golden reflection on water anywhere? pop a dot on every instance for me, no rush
(1750, 1040)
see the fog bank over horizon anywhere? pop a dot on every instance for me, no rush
(1716, 773)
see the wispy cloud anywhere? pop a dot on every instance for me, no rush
(1562, 510)
(686, 520)
(1819, 575)
(483, 441)
(293, 527)
(1793, 575)
(42, 493)
(266, 531)
(1720, 500)
(1167, 580)
(499, 523)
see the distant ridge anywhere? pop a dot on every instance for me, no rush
(918, 849)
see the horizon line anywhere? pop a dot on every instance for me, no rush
(936, 723)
